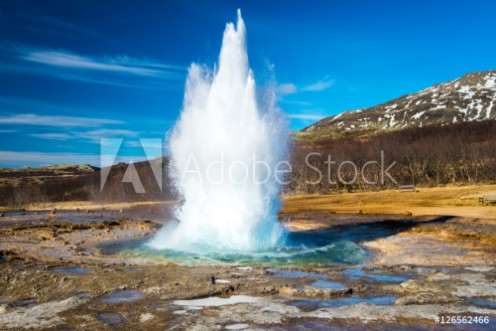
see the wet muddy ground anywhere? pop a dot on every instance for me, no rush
(56, 273)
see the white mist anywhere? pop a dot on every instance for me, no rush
(225, 149)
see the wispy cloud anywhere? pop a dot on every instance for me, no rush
(52, 136)
(321, 85)
(119, 70)
(117, 64)
(18, 159)
(310, 117)
(135, 143)
(56, 121)
(290, 88)
(92, 135)
(96, 135)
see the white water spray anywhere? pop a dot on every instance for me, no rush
(225, 151)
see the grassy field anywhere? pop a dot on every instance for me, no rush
(451, 200)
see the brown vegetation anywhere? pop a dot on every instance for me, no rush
(427, 156)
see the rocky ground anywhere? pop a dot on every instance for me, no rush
(55, 274)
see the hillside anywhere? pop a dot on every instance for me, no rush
(80, 182)
(55, 170)
(466, 99)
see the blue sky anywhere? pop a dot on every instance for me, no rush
(72, 72)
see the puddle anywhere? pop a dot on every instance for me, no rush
(310, 305)
(71, 271)
(237, 326)
(122, 296)
(81, 219)
(216, 301)
(357, 273)
(483, 302)
(26, 303)
(111, 318)
(295, 274)
(326, 284)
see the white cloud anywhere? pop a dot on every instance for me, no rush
(9, 157)
(110, 70)
(321, 85)
(134, 143)
(96, 135)
(56, 121)
(70, 60)
(44, 158)
(288, 88)
(312, 117)
(52, 136)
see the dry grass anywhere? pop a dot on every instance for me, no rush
(453, 200)
(89, 205)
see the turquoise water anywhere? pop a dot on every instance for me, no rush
(318, 248)
(296, 254)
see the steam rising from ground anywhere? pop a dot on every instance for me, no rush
(225, 149)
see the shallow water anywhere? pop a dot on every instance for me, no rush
(310, 305)
(295, 274)
(216, 301)
(122, 296)
(329, 285)
(111, 318)
(483, 302)
(71, 271)
(239, 326)
(301, 250)
(357, 273)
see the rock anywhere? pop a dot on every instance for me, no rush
(426, 298)
(146, 317)
(4, 308)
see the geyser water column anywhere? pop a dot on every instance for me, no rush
(225, 150)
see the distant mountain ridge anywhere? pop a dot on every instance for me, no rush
(471, 97)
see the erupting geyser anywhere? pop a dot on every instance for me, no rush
(227, 151)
